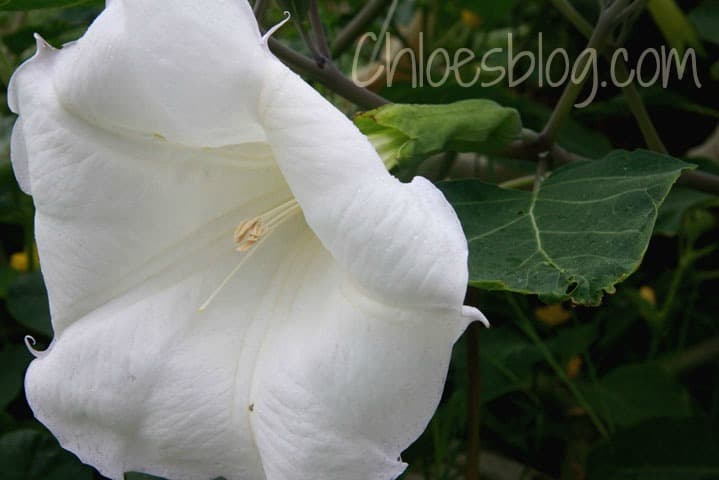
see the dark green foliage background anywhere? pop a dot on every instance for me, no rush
(646, 371)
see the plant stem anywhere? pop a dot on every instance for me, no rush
(574, 17)
(260, 8)
(327, 75)
(705, 182)
(519, 182)
(474, 396)
(527, 327)
(639, 110)
(319, 30)
(695, 356)
(605, 25)
(631, 94)
(309, 42)
(708, 275)
(354, 29)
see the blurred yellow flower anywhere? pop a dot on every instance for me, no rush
(553, 315)
(647, 293)
(20, 261)
(574, 367)
(470, 19)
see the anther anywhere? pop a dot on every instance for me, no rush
(248, 233)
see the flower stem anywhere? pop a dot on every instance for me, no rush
(639, 110)
(631, 94)
(355, 27)
(328, 75)
(337, 82)
(527, 327)
(600, 36)
(319, 30)
(519, 182)
(574, 17)
(260, 8)
(473, 397)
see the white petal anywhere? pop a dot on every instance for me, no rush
(148, 383)
(19, 157)
(113, 210)
(145, 143)
(343, 408)
(403, 243)
(195, 83)
(342, 390)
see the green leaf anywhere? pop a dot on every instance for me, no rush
(7, 277)
(14, 361)
(405, 133)
(675, 207)
(15, 207)
(658, 450)
(27, 302)
(508, 358)
(575, 340)
(583, 231)
(34, 4)
(675, 26)
(632, 394)
(36, 455)
(706, 19)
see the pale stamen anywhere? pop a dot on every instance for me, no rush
(250, 234)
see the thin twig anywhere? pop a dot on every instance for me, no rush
(700, 354)
(319, 30)
(519, 182)
(524, 148)
(474, 395)
(639, 110)
(526, 326)
(356, 27)
(320, 59)
(574, 17)
(605, 26)
(702, 181)
(631, 94)
(328, 75)
(260, 8)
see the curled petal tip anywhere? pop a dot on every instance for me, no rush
(473, 314)
(30, 344)
(41, 46)
(266, 37)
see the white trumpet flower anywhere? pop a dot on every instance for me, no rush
(238, 287)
